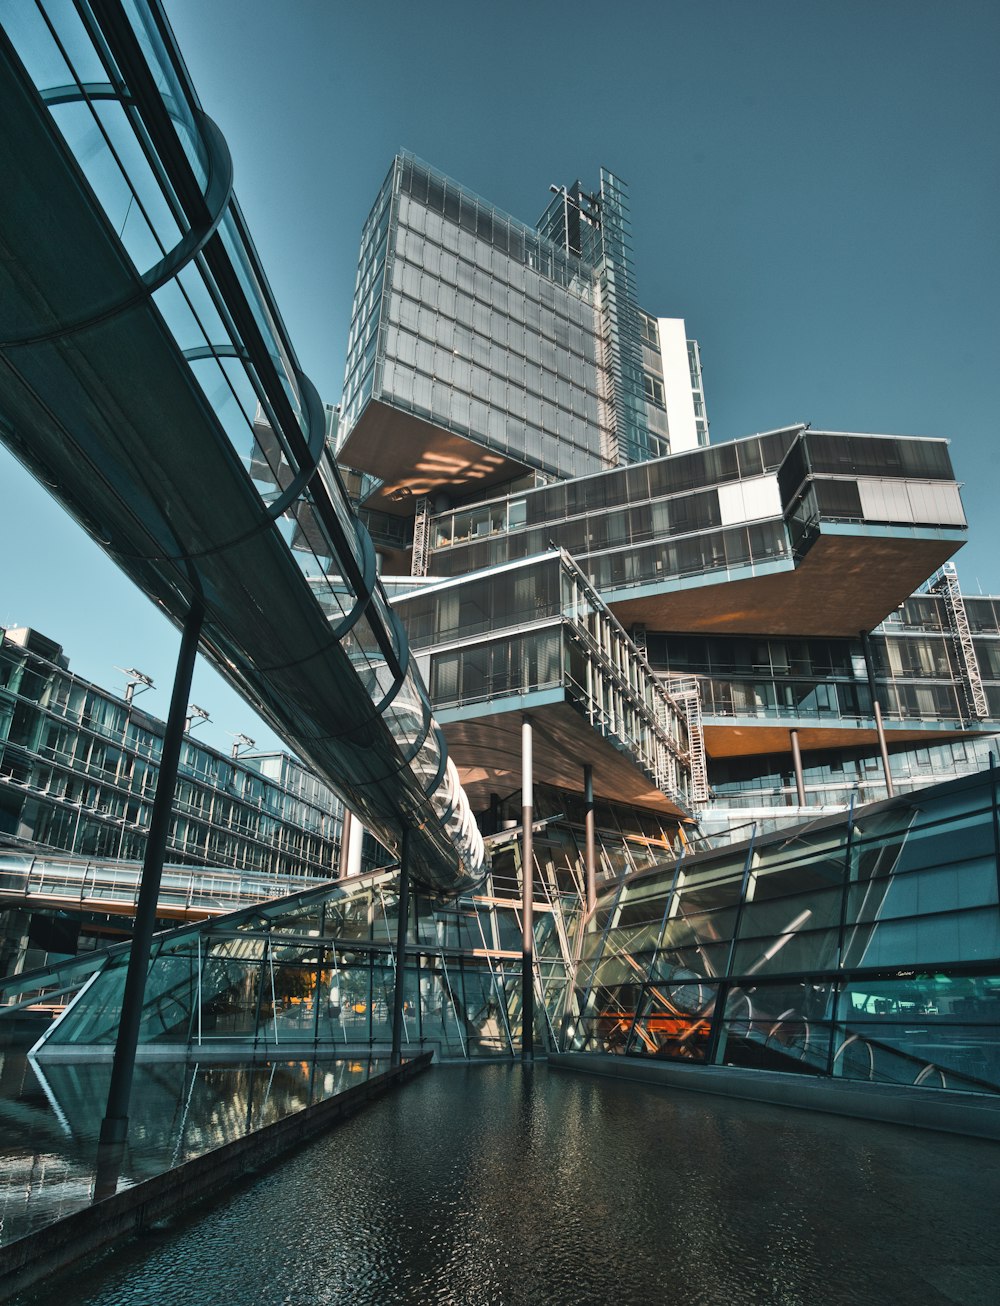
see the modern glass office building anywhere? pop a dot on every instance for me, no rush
(504, 348)
(78, 769)
(599, 652)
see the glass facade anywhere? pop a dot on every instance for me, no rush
(78, 771)
(519, 631)
(471, 320)
(715, 509)
(318, 970)
(598, 227)
(870, 478)
(672, 517)
(833, 777)
(863, 948)
(920, 679)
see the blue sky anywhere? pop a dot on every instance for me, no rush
(814, 188)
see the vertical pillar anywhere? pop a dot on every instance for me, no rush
(527, 898)
(996, 819)
(590, 857)
(356, 847)
(401, 924)
(343, 866)
(800, 787)
(890, 788)
(877, 712)
(114, 1126)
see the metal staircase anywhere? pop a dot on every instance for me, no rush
(421, 538)
(945, 583)
(686, 692)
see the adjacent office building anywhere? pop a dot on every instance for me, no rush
(78, 772)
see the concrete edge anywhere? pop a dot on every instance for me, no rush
(969, 1114)
(27, 1261)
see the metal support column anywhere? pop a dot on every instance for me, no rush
(527, 898)
(344, 863)
(996, 819)
(800, 787)
(877, 711)
(590, 857)
(401, 924)
(114, 1126)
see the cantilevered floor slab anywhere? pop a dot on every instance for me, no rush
(415, 458)
(487, 752)
(745, 739)
(851, 579)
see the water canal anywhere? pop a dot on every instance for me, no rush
(498, 1185)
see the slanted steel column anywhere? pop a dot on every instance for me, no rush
(527, 898)
(877, 710)
(590, 858)
(114, 1126)
(401, 924)
(800, 787)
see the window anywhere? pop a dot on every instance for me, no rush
(648, 329)
(653, 388)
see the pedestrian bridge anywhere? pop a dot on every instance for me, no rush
(146, 378)
(187, 893)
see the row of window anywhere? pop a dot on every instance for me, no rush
(429, 267)
(820, 452)
(435, 195)
(520, 433)
(734, 547)
(112, 829)
(678, 474)
(452, 353)
(894, 656)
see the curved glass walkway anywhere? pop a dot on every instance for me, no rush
(147, 379)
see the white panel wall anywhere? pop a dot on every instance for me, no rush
(936, 501)
(930, 502)
(677, 384)
(749, 500)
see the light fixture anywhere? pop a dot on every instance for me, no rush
(196, 716)
(242, 741)
(138, 682)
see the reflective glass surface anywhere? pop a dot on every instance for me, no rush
(860, 947)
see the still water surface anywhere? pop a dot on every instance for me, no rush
(50, 1119)
(501, 1186)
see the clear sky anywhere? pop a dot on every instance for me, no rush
(814, 184)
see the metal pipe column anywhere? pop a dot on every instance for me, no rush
(877, 711)
(800, 787)
(401, 924)
(527, 898)
(114, 1126)
(590, 857)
